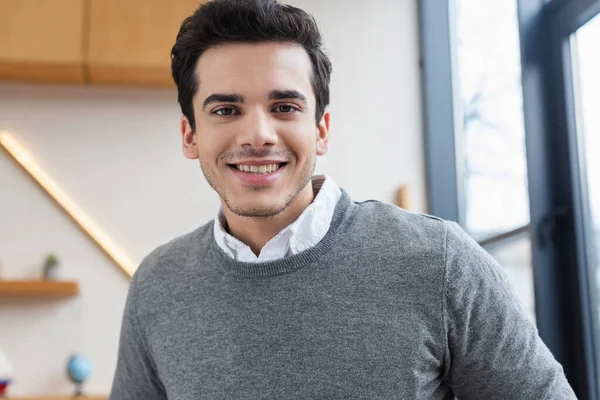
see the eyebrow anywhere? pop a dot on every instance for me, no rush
(238, 98)
(222, 98)
(287, 95)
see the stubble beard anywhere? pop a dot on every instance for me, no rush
(260, 212)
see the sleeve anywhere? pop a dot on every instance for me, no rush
(493, 350)
(136, 375)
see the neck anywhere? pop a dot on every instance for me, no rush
(256, 232)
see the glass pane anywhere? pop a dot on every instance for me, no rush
(515, 257)
(588, 38)
(494, 169)
(587, 87)
(493, 166)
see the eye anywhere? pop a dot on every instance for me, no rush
(285, 109)
(225, 111)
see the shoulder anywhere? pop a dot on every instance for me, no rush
(379, 218)
(470, 265)
(396, 237)
(174, 257)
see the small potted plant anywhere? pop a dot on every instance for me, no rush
(51, 267)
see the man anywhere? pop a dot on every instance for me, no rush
(294, 290)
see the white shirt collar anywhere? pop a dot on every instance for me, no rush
(305, 232)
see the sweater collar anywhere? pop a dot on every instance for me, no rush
(287, 264)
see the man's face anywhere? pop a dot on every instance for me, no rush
(256, 135)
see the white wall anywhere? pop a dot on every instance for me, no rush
(116, 151)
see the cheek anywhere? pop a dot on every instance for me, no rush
(300, 136)
(303, 143)
(211, 144)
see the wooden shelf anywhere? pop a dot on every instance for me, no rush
(37, 288)
(59, 398)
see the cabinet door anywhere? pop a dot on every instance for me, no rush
(130, 41)
(41, 40)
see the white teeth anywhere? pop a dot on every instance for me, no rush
(258, 169)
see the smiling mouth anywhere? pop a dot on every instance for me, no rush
(258, 169)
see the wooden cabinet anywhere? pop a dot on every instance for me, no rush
(130, 41)
(42, 40)
(90, 41)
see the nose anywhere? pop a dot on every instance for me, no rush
(257, 131)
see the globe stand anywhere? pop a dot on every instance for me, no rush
(78, 390)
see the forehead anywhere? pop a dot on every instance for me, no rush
(254, 69)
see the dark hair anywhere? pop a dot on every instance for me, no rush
(245, 21)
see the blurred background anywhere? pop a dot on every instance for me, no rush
(481, 112)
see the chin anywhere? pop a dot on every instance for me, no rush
(256, 211)
(257, 204)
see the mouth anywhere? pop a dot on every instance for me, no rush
(255, 174)
(258, 169)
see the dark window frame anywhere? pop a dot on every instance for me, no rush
(443, 187)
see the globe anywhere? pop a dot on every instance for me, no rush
(79, 369)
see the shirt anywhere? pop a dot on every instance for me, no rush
(306, 231)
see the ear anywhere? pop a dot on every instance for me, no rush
(188, 139)
(323, 134)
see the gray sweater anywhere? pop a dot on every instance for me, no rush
(389, 305)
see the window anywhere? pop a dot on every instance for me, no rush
(587, 82)
(512, 128)
(493, 160)
(491, 152)
(586, 89)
